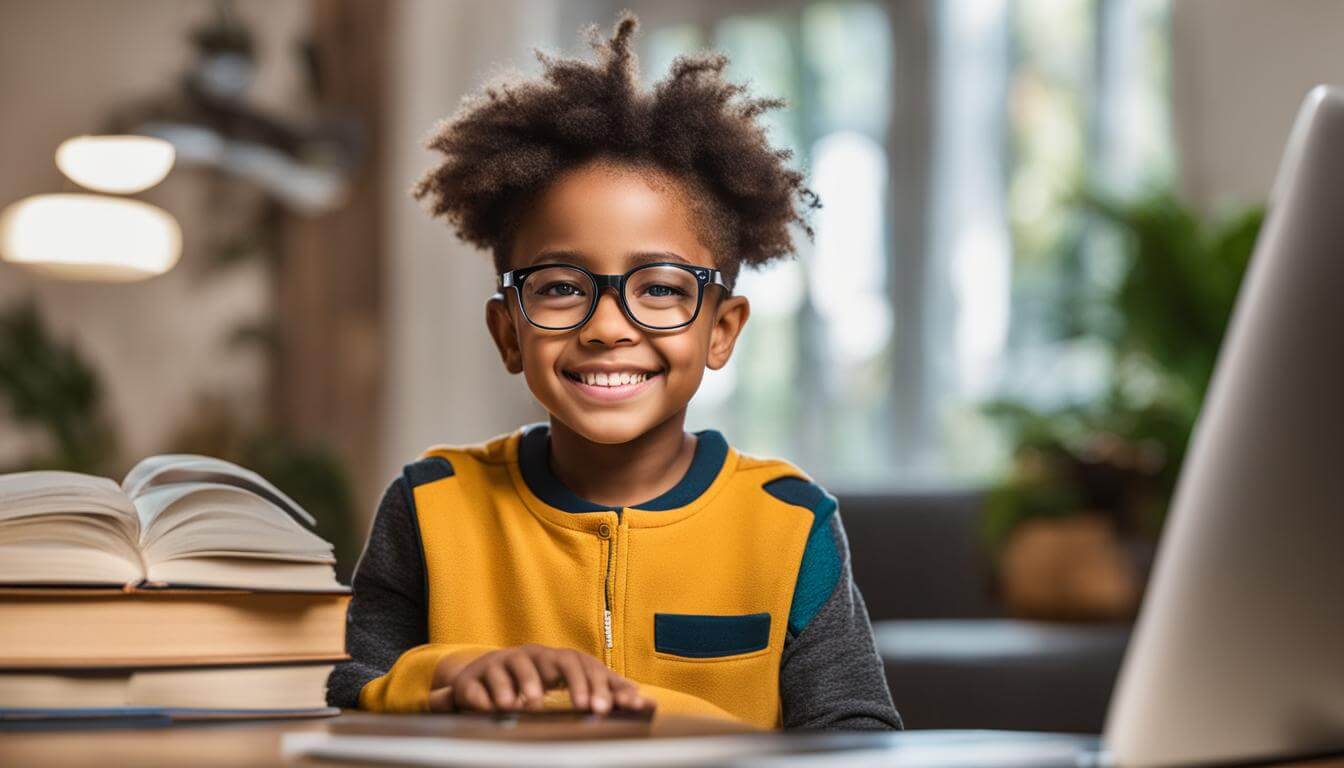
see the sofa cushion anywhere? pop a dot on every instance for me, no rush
(1001, 674)
(919, 556)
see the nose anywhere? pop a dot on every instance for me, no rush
(608, 326)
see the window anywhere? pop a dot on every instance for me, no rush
(944, 139)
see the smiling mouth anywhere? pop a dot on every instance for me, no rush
(611, 380)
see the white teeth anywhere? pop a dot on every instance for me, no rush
(602, 379)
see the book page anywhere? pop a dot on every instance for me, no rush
(67, 528)
(25, 492)
(245, 573)
(267, 687)
(186, 518)
(187, 467)
(209, 534)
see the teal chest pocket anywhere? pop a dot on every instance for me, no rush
(709, 637)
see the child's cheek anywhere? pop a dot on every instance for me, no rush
(539, 360)
(685, 357)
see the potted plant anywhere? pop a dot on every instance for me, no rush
(1073, 523)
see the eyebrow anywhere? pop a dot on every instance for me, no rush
(572, 257)
(635, 257)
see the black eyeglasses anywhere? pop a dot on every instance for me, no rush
(660, 296)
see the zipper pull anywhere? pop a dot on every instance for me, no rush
(606, 626)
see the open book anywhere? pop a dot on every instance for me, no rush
(176, 519)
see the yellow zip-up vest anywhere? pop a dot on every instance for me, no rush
(688, 595)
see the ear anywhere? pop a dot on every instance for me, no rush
(729, 318)
(504, 332)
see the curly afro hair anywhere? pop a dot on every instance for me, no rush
(505, 145)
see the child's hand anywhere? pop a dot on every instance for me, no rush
(512, 679)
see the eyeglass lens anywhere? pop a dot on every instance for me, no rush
(657, 296)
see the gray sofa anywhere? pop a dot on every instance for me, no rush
(953, 659)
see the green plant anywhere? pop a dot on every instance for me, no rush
(49, 387)
(1161, 325)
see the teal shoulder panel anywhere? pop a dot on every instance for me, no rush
(820, 568)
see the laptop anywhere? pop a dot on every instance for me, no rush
(1238, 653)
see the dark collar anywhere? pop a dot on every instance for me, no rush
(534, 462)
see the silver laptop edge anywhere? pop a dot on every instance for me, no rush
(1238, 653)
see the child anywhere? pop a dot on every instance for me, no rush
(610, 555)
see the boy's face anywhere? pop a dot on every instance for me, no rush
(602, 217)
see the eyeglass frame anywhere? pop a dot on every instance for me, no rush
(704, 277)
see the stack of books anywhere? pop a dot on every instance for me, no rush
(195, 589)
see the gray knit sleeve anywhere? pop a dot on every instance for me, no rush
(387, 613)
(831, 675)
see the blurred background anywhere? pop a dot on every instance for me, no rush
(1037, 214)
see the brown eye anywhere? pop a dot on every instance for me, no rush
(559, 289)
(661, 291)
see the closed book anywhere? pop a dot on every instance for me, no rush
(85, 628)
(178, 693)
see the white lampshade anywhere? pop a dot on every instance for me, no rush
(116, 164)
(90, 237)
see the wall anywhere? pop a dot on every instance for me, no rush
(1240, 69)
(159, 343)
(445, 382)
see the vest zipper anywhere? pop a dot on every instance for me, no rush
(608, 587)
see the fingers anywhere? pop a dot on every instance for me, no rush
(599, 686)
(625, 695)
(547, 661)
(517, 678)
(441, 699)
(470, 693)
(575, 676)
(466, 690)
(527, 680)
(500, 683)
